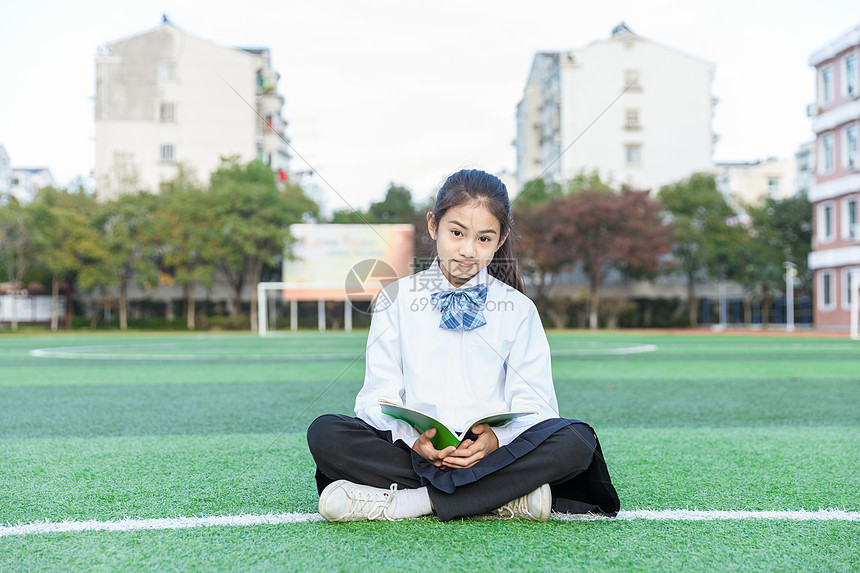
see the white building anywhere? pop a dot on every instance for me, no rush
(26, 182)
(750, 183)
(5, 174)
(635, 111)
(165, 97)
(804, 159)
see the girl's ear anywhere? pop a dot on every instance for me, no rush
(431, 225)
(505, 238)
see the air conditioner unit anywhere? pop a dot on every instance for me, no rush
(812, 110)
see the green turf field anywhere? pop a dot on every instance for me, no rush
(160, 426)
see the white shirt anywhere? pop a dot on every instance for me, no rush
(454, 375)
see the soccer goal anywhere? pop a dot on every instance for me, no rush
(278, 300)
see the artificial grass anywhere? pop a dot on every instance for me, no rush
(705, 422)
(421, 545)
(171, 476)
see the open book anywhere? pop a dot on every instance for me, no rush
(444, 436)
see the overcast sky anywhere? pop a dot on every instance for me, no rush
(406, 91)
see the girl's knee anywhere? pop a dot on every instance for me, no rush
(322, 431)
(578, 443)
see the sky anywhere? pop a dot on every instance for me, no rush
(409, 92)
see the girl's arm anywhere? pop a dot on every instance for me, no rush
(528, 380)
(383, 377)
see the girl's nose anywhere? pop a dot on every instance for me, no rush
(468, 249)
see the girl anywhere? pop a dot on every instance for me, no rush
(458, 341)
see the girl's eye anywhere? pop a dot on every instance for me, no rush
(485, 239)
(456, 233)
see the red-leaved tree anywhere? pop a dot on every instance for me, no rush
(604, 231)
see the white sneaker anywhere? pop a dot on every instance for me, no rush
(535, 506)
(346, 501)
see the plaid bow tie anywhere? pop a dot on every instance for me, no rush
(462, 309)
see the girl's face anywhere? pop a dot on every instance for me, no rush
(467, 237)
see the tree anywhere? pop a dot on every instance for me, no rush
(16, 248)
(125, 224)
(780, 231)
(68, 244)
(536, 192)
(185, 234)
(397, 206)
(605, 231)
(703, 242)
(252, 223)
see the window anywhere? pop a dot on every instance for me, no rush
(851, 80)
(166, 72)
(825, 222)
(850, 230)
(168, 112)
(826, 165)
(631, 80)
(633, 153)
(825, 290)
(631, 120)
(167, 153)
(772, 186)
(850, 152)
(826, 87)
(848, 286)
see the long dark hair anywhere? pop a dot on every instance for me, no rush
(470, 185)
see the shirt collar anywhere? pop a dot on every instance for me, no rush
(443, 283)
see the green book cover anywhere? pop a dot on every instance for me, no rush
(444, 435)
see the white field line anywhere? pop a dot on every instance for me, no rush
(129, 524)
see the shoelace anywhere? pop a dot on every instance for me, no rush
(376, 504)
(513, 508)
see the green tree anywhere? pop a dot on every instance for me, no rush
(126, 224)
(16, 247)
(69, 246)
(252, 218)
(780, 231)
(185, 234)
(704, 242)
(396, 207)
(535, 192)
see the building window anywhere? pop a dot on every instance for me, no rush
(633, 154)
(826, 86)
(631, 120)
(168, 112)
(825, 222)
(632, 80)
(167, 153)
(826, 165)
(825, 290)
(850, 152)
(850, 230)
(772, 186)
(851, 80)
(166, 72)
(848, 285)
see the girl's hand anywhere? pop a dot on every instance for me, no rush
(471, 452)
(425, 449)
